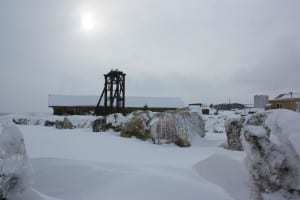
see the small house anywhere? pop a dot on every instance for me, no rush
(290, 101)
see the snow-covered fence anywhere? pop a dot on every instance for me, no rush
(271, 141)
(15, 170)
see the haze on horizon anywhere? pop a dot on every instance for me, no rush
(200, 50)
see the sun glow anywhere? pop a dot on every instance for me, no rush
(88, 22)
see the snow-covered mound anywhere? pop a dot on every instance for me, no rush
(272, 144)
(15, 170)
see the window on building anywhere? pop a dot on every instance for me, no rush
(279, 105)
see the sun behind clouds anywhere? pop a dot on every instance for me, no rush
(88, 22)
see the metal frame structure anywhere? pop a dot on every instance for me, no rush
(113, 94)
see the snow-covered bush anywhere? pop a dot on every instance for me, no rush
(137, 125)
(177, 127)
(112, 121)
(64, 124)
(115, 121)
(233, 128)
(214, 123)
(71, 121)
(218, 126)
(272, 144)
(15, 170)
(99, 125)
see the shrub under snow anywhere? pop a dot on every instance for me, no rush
(137, 125)
(15, 170)
(177, 127)
(233, 128)
(272, 144)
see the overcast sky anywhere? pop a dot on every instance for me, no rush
(200, 50)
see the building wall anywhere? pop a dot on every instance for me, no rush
(260, 101)
(76, 110)
(290, 104)
(64, 110)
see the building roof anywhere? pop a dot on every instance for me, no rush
(286, 96)
(130, 101)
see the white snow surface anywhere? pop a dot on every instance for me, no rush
(79, 164)
(75, 164)
(259, 131)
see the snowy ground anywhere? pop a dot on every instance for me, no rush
(79, 164)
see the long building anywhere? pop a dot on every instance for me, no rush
(85, 104)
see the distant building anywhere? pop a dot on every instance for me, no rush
(260, 101)
(289, 101)
(230, 106)
(85, 104)
(196, 104)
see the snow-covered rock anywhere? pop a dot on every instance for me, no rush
(15, 170)
(272, 144)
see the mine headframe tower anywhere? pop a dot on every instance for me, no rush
(113, 94)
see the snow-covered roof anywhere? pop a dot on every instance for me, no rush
(130, 101)
(291, 95)
(72, 100)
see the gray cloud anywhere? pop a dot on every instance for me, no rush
(276, 72)
(206, 51)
